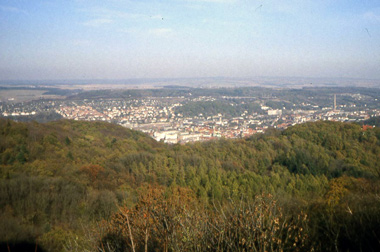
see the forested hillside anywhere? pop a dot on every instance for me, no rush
(77, 186)
(373, 121)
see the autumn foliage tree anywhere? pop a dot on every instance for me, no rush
(94, 172)
(176, 221)
(156, 221)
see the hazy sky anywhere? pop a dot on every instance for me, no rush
(118, 39)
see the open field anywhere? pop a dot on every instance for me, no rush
(24, 95)
(212, 82)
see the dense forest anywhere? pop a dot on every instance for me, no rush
(228, 109)
(94, 186)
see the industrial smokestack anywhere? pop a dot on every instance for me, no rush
(334, 102)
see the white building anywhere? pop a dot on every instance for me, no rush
(274, 112)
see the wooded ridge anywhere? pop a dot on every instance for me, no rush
(94, 186)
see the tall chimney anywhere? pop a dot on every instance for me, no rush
(334, 102)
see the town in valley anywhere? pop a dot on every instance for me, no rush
(179, 114)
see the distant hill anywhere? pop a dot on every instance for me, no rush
(42, 117)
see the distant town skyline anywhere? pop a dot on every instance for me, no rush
(115, 39)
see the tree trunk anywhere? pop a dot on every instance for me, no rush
(130, 232)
